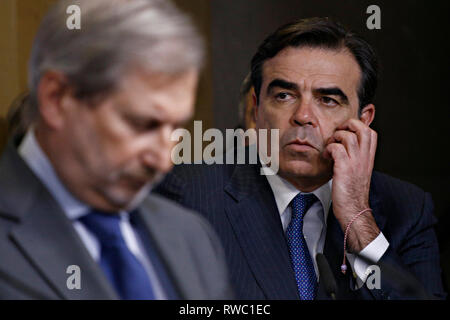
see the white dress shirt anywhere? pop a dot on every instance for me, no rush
(315, 225)
(36, 159)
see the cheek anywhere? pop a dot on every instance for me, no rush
(115, 139)
(329, 122)
(270, 118)
(121, 156)
(327, 129)
(104, 154)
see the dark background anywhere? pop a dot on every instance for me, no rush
(412, 101)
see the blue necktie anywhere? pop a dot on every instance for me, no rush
(300, 257)
(119, 264)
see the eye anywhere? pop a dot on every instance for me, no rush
(328, 101)
(283, 96)
(153, 124)
(140, 125)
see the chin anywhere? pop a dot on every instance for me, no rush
(126, 198)
(298, 168)
(298, 173)
(139, 197)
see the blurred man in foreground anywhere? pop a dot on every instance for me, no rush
(76, 221)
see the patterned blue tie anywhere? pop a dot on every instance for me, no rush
(300, 257)
(120, 266)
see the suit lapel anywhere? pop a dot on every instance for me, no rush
(51, 244)
(255, 220)
(46, 237)
(334, 251)
(171, 248)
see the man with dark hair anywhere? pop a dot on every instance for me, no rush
(325, 34)
(315, 81)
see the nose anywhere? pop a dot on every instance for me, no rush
(157, 155)
(304, 113)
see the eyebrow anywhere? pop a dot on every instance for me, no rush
(281, 84)
(333, 91)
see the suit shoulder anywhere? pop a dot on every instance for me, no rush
(193, 172)
(396, 187)
(198, 247)
(173, 214)
(402, 201)
(193, 179)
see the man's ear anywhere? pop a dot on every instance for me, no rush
(255, 105)
(367, 114)
(53, 93)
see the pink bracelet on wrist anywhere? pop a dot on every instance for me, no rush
(344, 266)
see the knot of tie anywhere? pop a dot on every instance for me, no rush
(105, 226)
(120, 265)
(300, 204)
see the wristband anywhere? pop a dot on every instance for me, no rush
(344, 266)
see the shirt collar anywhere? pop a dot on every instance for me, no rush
(37, 160)
(284, 192)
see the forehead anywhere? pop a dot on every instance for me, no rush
(314, 67)
(167, 97)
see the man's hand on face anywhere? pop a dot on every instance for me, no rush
(352, 148)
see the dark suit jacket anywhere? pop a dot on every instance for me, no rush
(239, 203)
(38, 243)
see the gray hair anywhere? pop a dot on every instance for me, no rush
(115, 35)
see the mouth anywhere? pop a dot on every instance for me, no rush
(134, 183)
(300, 145)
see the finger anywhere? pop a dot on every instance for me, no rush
(337, 152)
(373, 146)
(362, 131)
(349, 140)
(353, 125)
